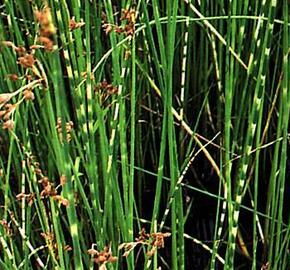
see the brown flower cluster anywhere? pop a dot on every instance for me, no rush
(68, 129)
(129, 16)
(73, 25)
(102, 257)
(157, 241)
(154, 241)
(47, 28)
(25, 59)
(6, 111)
(128, 19)
(105, 90)
(48, 190)
(28, 94)
(106, 87)
(51, 242)
(31, 161)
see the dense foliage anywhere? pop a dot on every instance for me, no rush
(144, 134)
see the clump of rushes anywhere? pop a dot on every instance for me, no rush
(102, 257)
(162, 116)
(153, 240)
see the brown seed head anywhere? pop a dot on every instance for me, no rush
(28, 94)
(75, 25)
(44, 18)
(119, 30)
(12, 77)
(20, 50)
(9, 124)
(107, 28)
(47, 43)
(27, 61)
(100, 259)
